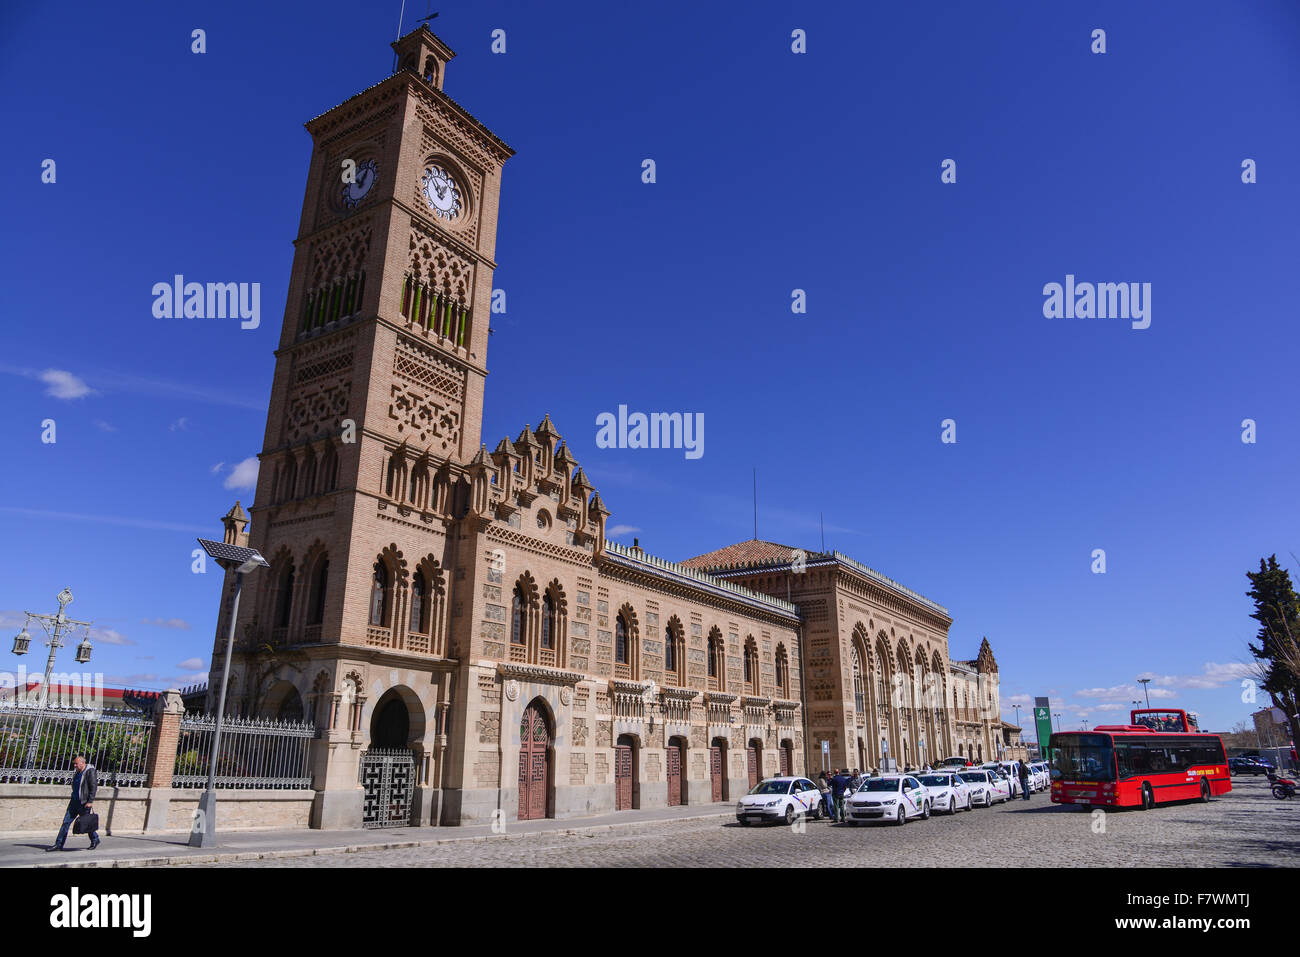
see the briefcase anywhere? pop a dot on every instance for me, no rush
(86, 823)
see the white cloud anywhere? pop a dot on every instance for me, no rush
(178, 623)
(106, 519)
(104, 426)
(621, 530)
(64, 385)
(243, 475)
(179, 425)
(217, 468)
(109, 636)
(191, 664)
(1213, 675)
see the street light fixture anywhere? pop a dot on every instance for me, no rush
(1144, 682)
(56, 626)
(242, 561)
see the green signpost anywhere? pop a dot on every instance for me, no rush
(1043, 725)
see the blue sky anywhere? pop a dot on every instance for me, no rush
(775, 172)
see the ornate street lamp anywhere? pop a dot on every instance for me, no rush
(56, 626)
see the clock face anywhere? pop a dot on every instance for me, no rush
(441, 193)
(356, 191)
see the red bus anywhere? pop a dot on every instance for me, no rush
(1158, 757)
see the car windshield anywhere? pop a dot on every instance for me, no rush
(771, 787)
(880, 784)
(974, 777)
(1083, 757)
(937, 780)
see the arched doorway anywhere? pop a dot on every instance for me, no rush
(862, 755)
(391, 725)
(787, 757)
(625, 789)
(534, 763)
(754, 760)
(718, 769)
(388, 765)
(676, 759)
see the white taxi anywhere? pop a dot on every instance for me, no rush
(891, 797)
(986, 789)
(1040, 776)
(947, 791)
(780, 799)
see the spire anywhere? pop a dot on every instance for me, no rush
(234, 522)
(422, 53)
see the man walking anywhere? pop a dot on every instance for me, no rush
(1024, 778)
(839, 784)
(84, 786)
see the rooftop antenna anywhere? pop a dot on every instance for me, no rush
(755, 503)
(400, 17)
(823, 521)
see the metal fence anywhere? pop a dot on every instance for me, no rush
(255, 753)
(37, 745)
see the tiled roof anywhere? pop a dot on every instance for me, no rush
(754, 551)
(756, 554)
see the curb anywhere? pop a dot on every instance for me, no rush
(236, 856)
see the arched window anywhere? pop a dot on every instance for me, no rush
(316, 606)
(309, 475)
(290, 478)
(882, 694)
(859, 686)
(419, 603)
(751, 665)
(517, 616)
(675, 652)
(620, 641)
(284, 597)
(717, 662)
(379, 596)
(548, 621)
(782, 671)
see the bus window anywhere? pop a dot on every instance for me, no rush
(1132, 757)
(1083, 757)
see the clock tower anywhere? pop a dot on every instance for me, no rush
(373, 425)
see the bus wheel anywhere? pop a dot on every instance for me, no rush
(1205, 791)
(1148, 798)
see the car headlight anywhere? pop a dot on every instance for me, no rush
(889, 801)
(773, 803)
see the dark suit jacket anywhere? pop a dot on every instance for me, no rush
(89, 785)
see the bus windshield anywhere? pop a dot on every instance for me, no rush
(1083, 757)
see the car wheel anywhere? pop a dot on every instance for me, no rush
(1205, 791)
(819, 811)
(902, 816)
(925, 811)
(1148, 798)
(789, 814)
(968, 804)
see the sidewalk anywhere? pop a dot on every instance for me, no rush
(152, 850)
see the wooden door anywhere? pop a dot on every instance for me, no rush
(534, 758)
(622, 778)
(784, 752)
(675, 775)
(752, 752)
(715, 773)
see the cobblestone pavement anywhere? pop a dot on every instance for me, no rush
(1247, 827)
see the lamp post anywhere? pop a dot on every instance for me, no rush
(1144, 682)
(242, 560)
(55, 626)
(1055, 719)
